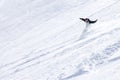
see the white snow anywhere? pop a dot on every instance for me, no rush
(45, 40)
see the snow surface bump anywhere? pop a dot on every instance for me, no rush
(45, 40)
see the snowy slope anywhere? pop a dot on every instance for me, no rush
(45, 40)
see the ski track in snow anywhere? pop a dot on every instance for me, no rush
(45, 52)
(37, 60)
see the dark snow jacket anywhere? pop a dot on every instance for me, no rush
(87, 20)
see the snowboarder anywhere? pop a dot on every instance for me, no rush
(88, 21)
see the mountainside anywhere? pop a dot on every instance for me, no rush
(46, 40)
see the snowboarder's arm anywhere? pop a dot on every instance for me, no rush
(82, 19)
(92, 21)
